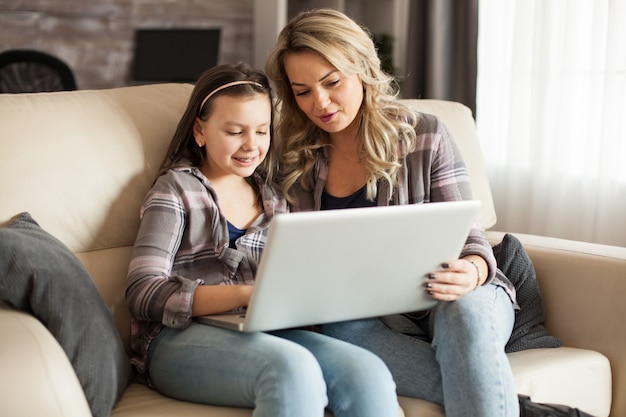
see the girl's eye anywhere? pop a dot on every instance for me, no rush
(333, 83)
(234, 133)
(261, 132)
(301, 93)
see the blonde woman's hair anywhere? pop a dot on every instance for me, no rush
(383, 121)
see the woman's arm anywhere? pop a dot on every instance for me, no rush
(449, 181)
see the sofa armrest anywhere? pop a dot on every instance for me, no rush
(583, 286)
(37, 378)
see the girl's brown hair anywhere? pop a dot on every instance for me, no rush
(183, 149)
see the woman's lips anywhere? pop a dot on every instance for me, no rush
(325, 118)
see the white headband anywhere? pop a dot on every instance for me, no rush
(234, 83)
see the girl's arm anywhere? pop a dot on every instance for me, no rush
(213, 299)
(169, 227)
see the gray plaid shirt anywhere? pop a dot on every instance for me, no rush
(182, 243)
(433, 172)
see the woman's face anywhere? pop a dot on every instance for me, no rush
(236, 135)
(329, 98)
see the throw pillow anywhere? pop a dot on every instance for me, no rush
(40, 275)
(529, 331)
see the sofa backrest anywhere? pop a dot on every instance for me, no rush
(81, 162)
(459, 121)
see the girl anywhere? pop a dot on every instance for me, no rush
(203, 227)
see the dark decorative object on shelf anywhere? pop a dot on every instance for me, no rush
(384, 46)
(30, 71)
(174, 55)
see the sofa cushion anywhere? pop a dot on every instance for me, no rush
(141, 401)
(41, 276)
(579, 378)
(529, 331)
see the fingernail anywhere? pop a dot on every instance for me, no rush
(429, 285)
(445, 265)
(431, 276)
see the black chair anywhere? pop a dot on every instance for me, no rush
(29, 71)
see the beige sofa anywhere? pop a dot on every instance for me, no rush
(80, 163)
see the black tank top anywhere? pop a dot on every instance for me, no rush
(354, 200)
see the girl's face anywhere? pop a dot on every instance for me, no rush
(236, 135)
(329, 98)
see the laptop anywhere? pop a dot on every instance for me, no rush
(327, 266)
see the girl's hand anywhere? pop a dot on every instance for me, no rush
(457, 278)
(214, 299)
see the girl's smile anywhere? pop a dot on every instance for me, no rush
(236, 136)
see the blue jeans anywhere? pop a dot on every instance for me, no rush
(287, 373)
(456, 358)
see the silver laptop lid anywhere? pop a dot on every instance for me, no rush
(335, 265)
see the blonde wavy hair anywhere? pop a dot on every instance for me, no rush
(386, 127)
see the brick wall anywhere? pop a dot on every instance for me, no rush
(96, 37)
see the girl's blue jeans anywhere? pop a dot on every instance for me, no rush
(283, 374)
(455, 358)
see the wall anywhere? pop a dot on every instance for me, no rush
(96, 37)
(382, 17)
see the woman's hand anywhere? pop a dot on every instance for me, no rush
(457, 278)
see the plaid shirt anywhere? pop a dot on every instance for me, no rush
(182, 243)
(433, 172)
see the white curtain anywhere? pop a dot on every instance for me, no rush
(551, 116)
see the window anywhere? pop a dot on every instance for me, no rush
(551, 115)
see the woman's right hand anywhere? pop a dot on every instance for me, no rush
(214, 299)
(456, 278)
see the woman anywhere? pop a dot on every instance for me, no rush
(203, 227)
(346, 141)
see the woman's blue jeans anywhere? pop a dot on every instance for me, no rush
(455, 359)
(284, 374)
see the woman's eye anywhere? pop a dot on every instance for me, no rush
(234, 133)
(261, 132)
(333, 83)
(301, 93)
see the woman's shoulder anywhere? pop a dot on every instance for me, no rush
(427, 123)
(420, 125)
(431, 132)
(431, 137)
